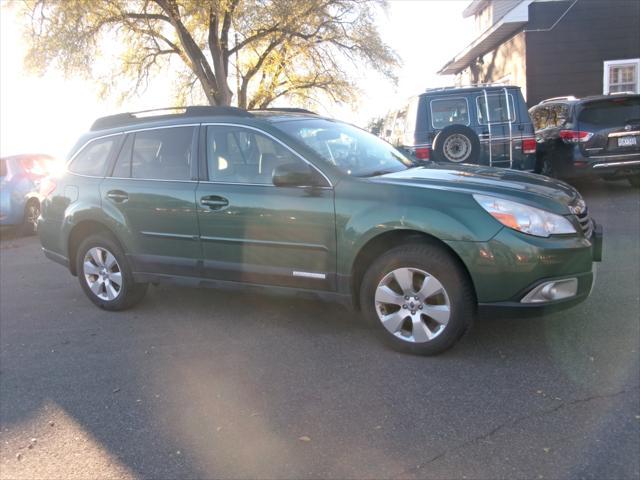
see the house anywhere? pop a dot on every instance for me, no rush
(552, 48)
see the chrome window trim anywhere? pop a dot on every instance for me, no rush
(162, 126)
(513, 103)
(226, 124)
(82, 175)
(152, 179)
(270, 185)
(450, 97)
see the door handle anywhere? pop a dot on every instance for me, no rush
(214, 202)
(118, 196)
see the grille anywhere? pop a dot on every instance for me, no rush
(586, 223)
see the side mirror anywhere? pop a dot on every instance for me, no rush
(295, 175)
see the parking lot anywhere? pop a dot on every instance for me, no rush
(200, 383)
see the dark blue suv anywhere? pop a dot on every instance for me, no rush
(485, 125)
(595, 136)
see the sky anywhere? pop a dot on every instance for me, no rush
(47, 114)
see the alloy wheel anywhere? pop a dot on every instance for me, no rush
(102, 273)
(412, 305)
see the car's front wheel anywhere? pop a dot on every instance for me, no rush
(419, 298)
(105, 276)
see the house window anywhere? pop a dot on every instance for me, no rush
(622, 76)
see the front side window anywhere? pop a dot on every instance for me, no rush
(92, 159)
(159, 154)
(622, 76)
(352, 150)
(239, 155)
(449, 111)
(498, 111)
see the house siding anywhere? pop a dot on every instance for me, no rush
(569, 59)
(506, 61)
(491, 13)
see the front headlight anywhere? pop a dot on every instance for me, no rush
(524, 218)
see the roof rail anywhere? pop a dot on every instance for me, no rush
(555, 99)
(284, 109)
(473, 85)
(129, 118)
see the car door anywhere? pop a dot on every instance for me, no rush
(252, 231)
(150, 194)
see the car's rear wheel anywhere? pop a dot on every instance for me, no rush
(30, 222)
(634, 181)
(419, 299)
(105, 275)
(545, 167)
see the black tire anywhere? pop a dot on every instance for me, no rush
(456, 144)
(30, 223)
(545, 167)
(634, 181)
(128, 294)
(439, 263)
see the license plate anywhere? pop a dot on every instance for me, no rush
(627, 142)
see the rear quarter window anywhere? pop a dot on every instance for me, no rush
(553, 115)
(92, 159)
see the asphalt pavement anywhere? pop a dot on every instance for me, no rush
(197, 383)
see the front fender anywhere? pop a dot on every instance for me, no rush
(364, 212)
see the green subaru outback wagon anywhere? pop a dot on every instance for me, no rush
(289, 201)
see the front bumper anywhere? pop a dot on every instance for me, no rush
(511, 265)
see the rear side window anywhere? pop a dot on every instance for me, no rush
(558, 114)
(553, 115)
(540, 116)
(449, 111)
(499, 111)
(615, 112)
(160, 154)
(92, 159)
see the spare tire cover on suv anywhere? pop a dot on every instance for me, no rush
(456, 144)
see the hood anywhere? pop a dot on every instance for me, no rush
(535, 190)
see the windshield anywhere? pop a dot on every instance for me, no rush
(354, 151)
